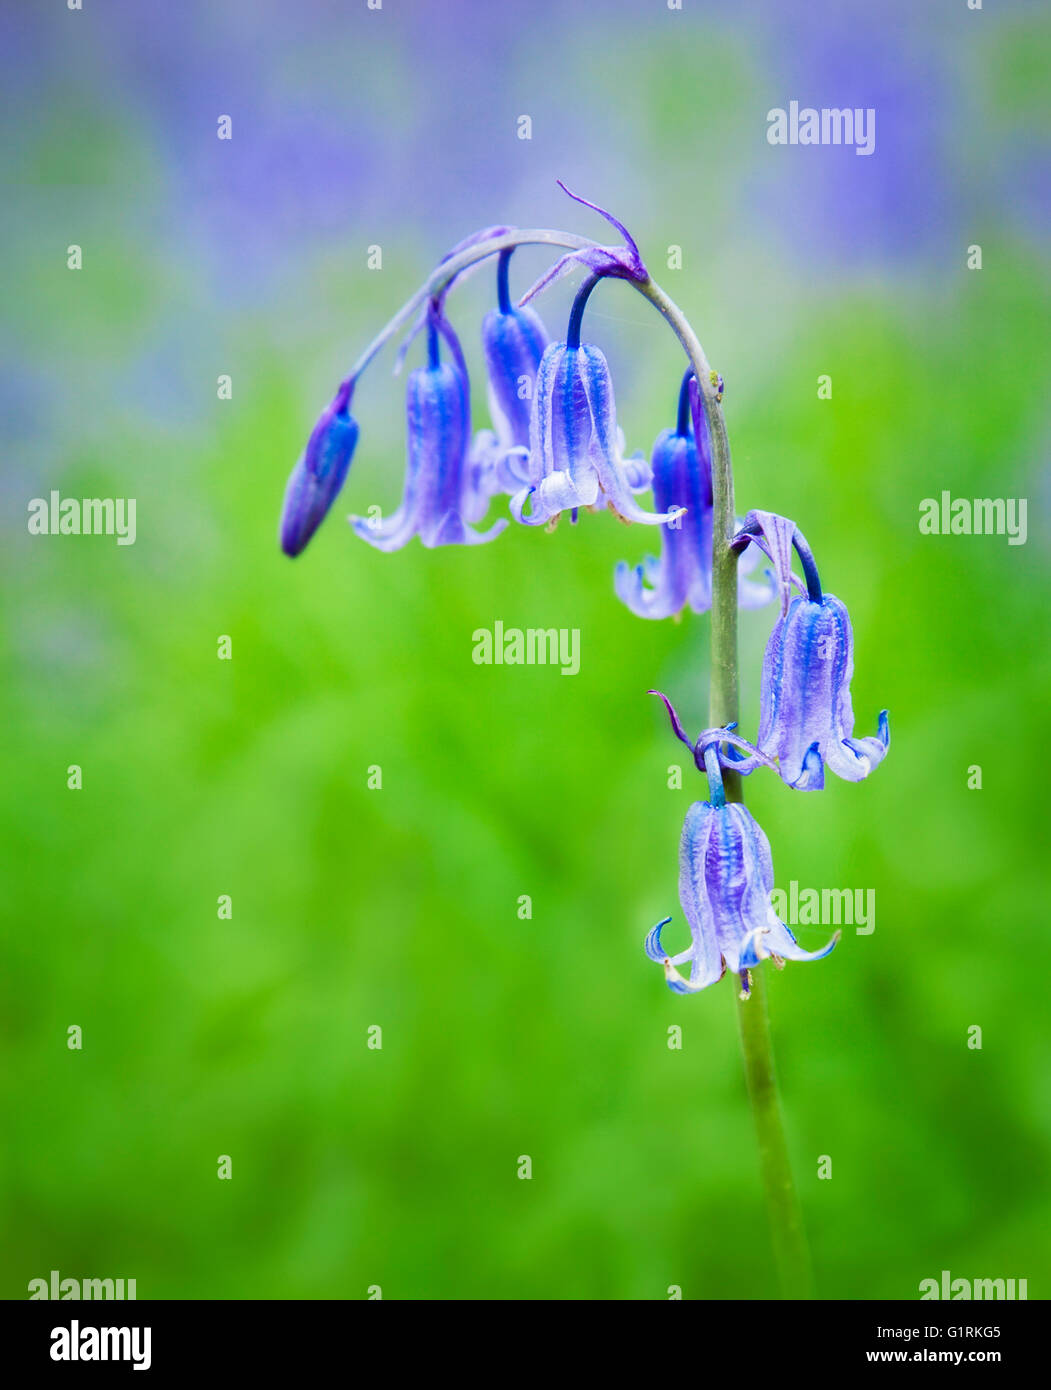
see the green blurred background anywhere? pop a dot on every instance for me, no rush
(398, 907)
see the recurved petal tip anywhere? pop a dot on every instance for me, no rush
(517, 506)
(678, 983)
(652, 945)
(812, 776)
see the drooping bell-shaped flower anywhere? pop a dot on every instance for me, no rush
(320, 472)
(576, 451)
(442, 493)
(575, 448)
(806, 716)
(682, 487)
(726, 877)
(513, 341)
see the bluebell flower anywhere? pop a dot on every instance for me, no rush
(575, 448)
(442, 493)
(513, 341)
(806, 716)
(726, 876)
(320, 473)
(682, 487)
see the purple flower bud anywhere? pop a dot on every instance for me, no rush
(320, 473)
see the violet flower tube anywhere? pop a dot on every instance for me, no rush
(513, 341)
(575, 448)
(440, 498)
(682, 487)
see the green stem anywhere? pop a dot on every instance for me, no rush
(786, 1218)
(786, 1222)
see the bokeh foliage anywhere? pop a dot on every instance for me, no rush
(353, 907)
